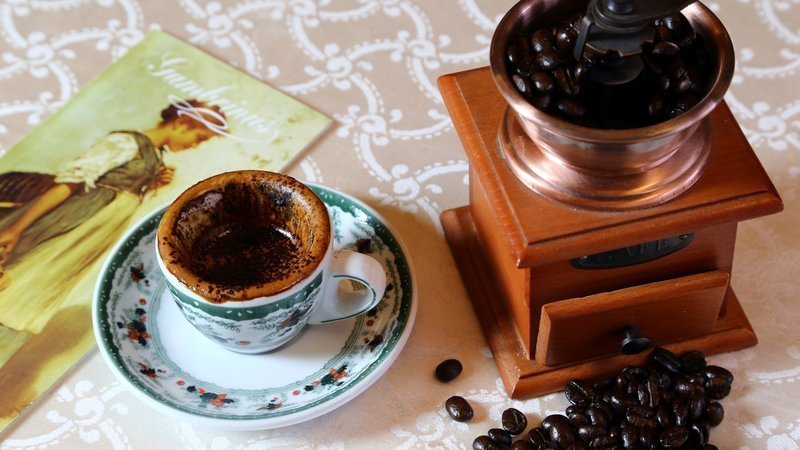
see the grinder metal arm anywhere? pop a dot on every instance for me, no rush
(616, 30)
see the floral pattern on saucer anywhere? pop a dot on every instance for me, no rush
(131, 289)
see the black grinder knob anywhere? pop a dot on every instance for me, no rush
(633, 341)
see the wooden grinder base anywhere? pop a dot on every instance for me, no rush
(527, 370)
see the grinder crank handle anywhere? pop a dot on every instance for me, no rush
(623, 15)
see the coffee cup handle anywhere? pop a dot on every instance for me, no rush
(354, 266)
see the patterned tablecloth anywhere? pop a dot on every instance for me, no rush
(372, 66)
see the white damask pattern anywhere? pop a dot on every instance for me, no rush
(372, 65)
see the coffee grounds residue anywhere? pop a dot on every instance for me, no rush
(244, 254)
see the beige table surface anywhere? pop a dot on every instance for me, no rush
(372, 66)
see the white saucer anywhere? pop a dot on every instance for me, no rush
(154, 350)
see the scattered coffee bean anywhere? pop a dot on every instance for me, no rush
(448, 370)
(559, 430)
(484, 443)
(514, 421)
(579, 393)
(538, 436)
(673, 436)
(714, 414)
(662, 406)
(712, 372)
(523, 445)
(500, 436)
(459, 408)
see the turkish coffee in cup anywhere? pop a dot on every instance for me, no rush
(248, 256)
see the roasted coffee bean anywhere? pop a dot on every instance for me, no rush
(558, 429)
(664, 416)
(542, 40)
(635, 373)
(548, 59)
(523, 445)
(579, 73)
(578, 420)
(527, 68)
(448, 370)
(630, 437)
(564, 82)
(680, 408)
(640, 410)
(681, 105)
(514, 421)
(693, 361)
(697, 404)
(608, 411)
(718, 372)
(674, 23)
(662, 83)
(523, 85)
(543, 82)
(665, 360)
(620, 401)
(682, 85)
(538, 436)
(640, 420)
(579, 393)
(484, 443)
(677, 68)
(682, 386)
(717, 388)
(656, 107)
(698, 434)
(603, 442)
(543, 102)
(459, 408)
(643, 394)
(665, 48)
(500, 436)
(587, 433)
(648, 437)
(565, 38)
(597, 416)
(714, 414)
(571, 108)
(673, 437)
(633, 388)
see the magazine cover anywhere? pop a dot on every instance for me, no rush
(161, 118)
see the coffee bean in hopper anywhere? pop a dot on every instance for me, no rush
(448, 370)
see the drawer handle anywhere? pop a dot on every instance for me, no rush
(633, 341)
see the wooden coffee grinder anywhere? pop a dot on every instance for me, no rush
(581, 247)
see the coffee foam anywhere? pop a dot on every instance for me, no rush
(248, 202)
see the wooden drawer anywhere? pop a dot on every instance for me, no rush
(666, 311)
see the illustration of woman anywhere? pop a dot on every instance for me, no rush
(54, 227)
